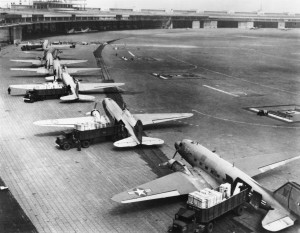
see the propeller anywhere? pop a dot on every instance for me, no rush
(175, 154)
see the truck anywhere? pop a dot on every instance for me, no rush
(192, 219)
(71, 139)
(34, 95)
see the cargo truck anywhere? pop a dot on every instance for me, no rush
(192, 218)
(85, 137)
(42, 94)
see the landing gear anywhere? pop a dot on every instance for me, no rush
(239, 210)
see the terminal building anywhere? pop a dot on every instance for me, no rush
(57, 17)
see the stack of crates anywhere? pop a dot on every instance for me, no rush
(207, 198)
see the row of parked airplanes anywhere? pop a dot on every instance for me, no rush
(209, 169)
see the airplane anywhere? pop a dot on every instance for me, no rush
(47, 59)
(45, 46)
(210, 170)
(133, 123)
(55, 69)
(74, 85)
(73, 31)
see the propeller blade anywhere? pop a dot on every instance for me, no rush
(95, 105)
(175, 154)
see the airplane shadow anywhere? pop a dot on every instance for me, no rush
(27, 76)
(50, 134)
(123, 209)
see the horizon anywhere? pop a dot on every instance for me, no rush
(276, 6)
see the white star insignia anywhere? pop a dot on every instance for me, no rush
(140, 192)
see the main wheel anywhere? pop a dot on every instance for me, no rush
(239, 210)
(209, 227)
(85, 144)
(66, 146)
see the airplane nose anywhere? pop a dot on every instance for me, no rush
(178, 144)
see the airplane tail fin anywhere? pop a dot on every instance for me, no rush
(289, 196)
(45, 44)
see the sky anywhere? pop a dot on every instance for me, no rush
(202, 5)
(292, 6)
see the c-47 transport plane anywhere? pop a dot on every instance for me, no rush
(210, 170)
(45, 46)
(132, 123)
(46, 60)
(55, 69)
(74, 87)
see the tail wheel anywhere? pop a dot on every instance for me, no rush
(209, 227)
(66, 146)
(239, 210)
(85, 144)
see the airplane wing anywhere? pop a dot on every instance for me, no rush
(175, 184)
(28, 86)
(34, 62)
(96, 86)
(81, 70)
(66, 122)
(161, 117)
(258, 164)
(40, 70)
(278, 219)
(67, 62)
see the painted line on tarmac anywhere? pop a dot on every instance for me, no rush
(131, 53)
(242, 122)
(245, 80)
(225, 92)
(195, 67)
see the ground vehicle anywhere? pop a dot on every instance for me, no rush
(72, 138)
(194, 219)
(42, 94)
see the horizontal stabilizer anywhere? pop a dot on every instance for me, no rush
(127, 142)
(131, 142)
(152, 141)
(79, 97)
(69, 98)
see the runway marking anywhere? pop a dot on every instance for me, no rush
(245, 123)
(195, 66)
(131, 53)
(228, 93)
(245, 80)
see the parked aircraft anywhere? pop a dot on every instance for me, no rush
(211, 170)
(45, 46)
(133, 123)
(73, 31)
(47, 59)
(74, 86)
(55, 69)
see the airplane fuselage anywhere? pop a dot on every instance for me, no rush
(222, 171)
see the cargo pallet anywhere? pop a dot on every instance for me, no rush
(192, 218)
